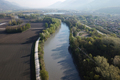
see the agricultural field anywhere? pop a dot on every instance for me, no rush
(4, 20)
(16, 62)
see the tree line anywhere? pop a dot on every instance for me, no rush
(2, 15)
(31, 16)
(15, 22)
(17, 29)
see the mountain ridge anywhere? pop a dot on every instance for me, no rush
(109, 10)
(86, 4)
(5, 5)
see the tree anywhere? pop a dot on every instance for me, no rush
(10, 22)
(108, 72)
(46, 25)
(2, 15)
(14, 22)
(116, 60)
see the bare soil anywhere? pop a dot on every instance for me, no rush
(36, 25)
(4, 20)
(4, 26)
(16, 58)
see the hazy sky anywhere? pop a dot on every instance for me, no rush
(35, 3)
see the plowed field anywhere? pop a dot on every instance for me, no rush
(16, 61)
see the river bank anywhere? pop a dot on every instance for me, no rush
(53, 26)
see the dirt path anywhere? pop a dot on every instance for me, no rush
(83, 34)
(16, 61)
(97, 30)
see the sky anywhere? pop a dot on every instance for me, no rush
(35, 3)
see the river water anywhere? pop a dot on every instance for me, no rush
(52, 13)
(58, 61)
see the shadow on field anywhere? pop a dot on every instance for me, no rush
(35, 37)
(70, 72)
(31, 63)
(25, 56)
(2, 32)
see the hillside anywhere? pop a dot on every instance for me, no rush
(86, 4)
(5, 5)
(70, 4)
(98, 4)
(110, 10)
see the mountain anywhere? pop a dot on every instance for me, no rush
(98, 4)
(86, 4)
(55, 5)
(70, 4)
(110, 10)
(5, 5)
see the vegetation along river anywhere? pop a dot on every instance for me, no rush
(58, 61)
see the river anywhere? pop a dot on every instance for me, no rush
(58, 60)
(52, 13)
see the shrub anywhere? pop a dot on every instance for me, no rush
(46, 25)
(44, 75)
(96, 77)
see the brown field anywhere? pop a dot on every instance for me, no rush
(36, 25)
(4, 26)
(4, 20)
(16, 58)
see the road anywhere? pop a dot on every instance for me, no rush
(2, 24)
(37, 64)
(90, 28)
